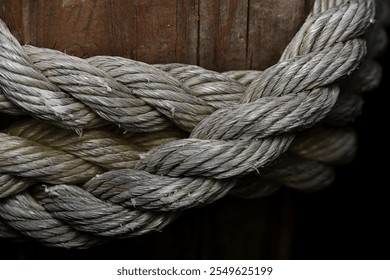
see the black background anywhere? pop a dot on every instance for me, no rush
(349, 220)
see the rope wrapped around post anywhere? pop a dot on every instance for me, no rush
(114, 148)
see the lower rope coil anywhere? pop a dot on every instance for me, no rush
(112, 148)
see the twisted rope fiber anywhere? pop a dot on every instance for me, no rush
(238, 125)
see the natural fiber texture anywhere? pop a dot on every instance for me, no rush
(187, 136)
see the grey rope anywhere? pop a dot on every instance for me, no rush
(37, 223)
(100, 147)
(262, 126)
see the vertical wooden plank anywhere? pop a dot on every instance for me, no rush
(272, 24)
(55, 22)
(121, 19)
(11, 14)
(155, 24)
(223, 32)
(232, 39)
(187, 21)
(208, 32)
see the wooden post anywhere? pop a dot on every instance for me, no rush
(219, 35)
(216, 34)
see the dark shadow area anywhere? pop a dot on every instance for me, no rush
(350, 219)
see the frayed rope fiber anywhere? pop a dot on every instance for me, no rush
(115, 148)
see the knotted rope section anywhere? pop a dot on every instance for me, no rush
(117, 148)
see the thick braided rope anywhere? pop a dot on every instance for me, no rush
(236, 129)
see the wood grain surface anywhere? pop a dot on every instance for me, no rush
(216, 34)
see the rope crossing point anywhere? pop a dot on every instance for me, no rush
(69, 177)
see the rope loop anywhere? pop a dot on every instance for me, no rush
(114, 148)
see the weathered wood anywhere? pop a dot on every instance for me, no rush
(216, 34)
(220, 35)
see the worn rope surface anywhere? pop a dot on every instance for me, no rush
(69, 177)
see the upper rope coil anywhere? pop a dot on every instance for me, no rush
(239, 123)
